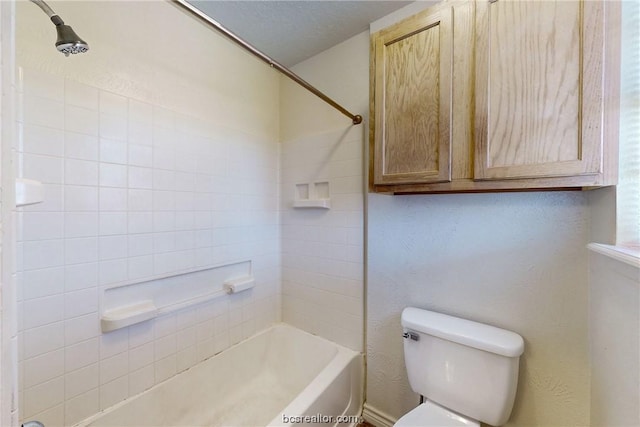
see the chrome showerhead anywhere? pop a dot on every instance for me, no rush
(68, 41)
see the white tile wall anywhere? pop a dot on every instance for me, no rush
(322, 250)
(132, 190)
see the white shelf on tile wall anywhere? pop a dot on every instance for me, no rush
(165, 294)
(28, 192)
(317, 203)
(127, 316)
(313, 195)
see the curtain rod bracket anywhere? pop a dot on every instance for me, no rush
(356, 119)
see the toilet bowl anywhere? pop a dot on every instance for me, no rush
(432, 414)
(467, 371)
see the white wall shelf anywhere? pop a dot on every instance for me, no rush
(28, 192)
(312, 195)
(310, 204)
(134, 302)
(129, 315)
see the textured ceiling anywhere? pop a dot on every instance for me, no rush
(292, 31)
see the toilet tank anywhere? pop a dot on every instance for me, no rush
(467, 367)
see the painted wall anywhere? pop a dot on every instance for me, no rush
(614, 333)
(614, 323)
(158, 154)
(322, 250)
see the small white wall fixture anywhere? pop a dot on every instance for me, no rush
(312, 195)
(28, 192)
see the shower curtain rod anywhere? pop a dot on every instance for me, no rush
(356, 119)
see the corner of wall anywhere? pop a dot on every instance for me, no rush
(602, 212)
(322, 250)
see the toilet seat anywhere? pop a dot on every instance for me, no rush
(430, 414)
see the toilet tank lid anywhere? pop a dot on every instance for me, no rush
(462, 331)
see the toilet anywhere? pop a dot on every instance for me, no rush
(466, 371)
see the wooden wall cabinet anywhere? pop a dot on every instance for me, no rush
(496, 95)
(413, 88)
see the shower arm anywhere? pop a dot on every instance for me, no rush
(356, 119)
(46, 9)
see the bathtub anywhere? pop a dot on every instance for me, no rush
(275, 378)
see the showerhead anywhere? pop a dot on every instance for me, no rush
(68, 41)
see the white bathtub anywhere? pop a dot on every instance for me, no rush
(279, 373)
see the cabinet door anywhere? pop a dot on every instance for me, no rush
(539, 83)
(412, 100)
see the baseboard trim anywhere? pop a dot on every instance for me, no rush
(377, 417)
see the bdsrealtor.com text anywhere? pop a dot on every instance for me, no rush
(321, 419)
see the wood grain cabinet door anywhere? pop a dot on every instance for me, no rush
(412, 100)
(539, 88)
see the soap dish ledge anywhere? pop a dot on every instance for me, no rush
(312, 203)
